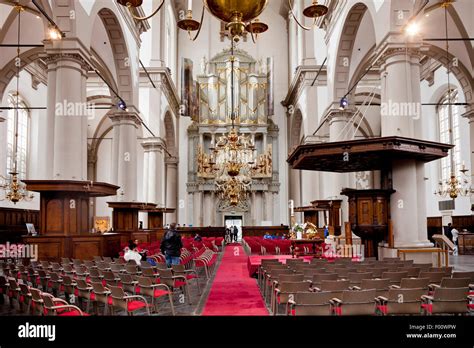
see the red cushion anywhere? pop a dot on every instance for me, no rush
(191, 276)
(382, 308)
(427, 307)
(338, 310)
(72, 314)
(470, 305)
(179, 283)
(135, 305)
(109, 301)
(160, 293)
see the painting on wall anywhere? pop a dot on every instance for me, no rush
(101, 224)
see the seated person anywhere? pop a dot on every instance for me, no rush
(133, 245)
(132, 255)
(267, 236)
(197, 238)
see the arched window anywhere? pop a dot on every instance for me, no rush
(444, 114)
(17, 122)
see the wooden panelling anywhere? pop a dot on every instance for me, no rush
(80, 246)
(54, 221)
(83, 250)
(13, 223)
(369, 216)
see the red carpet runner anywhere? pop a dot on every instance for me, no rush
(233, 291)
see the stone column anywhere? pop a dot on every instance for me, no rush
(67, 116)
(293, 53)
(124, 153)
(172, 187)
(400, 114)
(400, 74)
(470, 116)
(154, 170)
(337, 121)
(408, 205)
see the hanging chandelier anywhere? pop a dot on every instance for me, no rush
(232, 159)
(15, 190)
(240, 16)
(456, 185)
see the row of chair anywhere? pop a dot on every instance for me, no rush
(338, 277)
(90, 281)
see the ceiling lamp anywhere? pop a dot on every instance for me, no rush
(314, 11)
(240, 16)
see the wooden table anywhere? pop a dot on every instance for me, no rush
(313, 242)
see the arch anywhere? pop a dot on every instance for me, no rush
(461, 73)
(170, 135)
(296, 126)
(345, 48)
(120, 52)
(10, 69)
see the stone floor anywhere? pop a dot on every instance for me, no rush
(462, 263)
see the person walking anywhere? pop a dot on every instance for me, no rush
(171, 245)
(455, 236)
(235, 233)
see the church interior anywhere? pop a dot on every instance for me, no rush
(169, 158)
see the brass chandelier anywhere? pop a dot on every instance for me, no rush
(232, 159)
(240, 16)
(454, 186)
(15, 190)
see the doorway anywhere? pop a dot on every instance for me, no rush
(230, 221)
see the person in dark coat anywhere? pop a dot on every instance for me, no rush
(235, 233)
(171, 245)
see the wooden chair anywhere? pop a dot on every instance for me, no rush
(400, 301)
(310, 303)
(354, 303)
(446, 301)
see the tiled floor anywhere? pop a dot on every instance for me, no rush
(462, 263)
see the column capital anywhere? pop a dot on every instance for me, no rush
(53, 58)
(469, 114)
(153, 145)
(124, 117)
(395, 45)
(172, 161)
(338, 115)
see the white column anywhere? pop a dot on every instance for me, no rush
(68, 105)
(155, 171)
(172, 187)
(337, 121)
(125, 153)
(470, 116)
(293, 53)
(46, 128)
(408, 205)
(400, 92)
